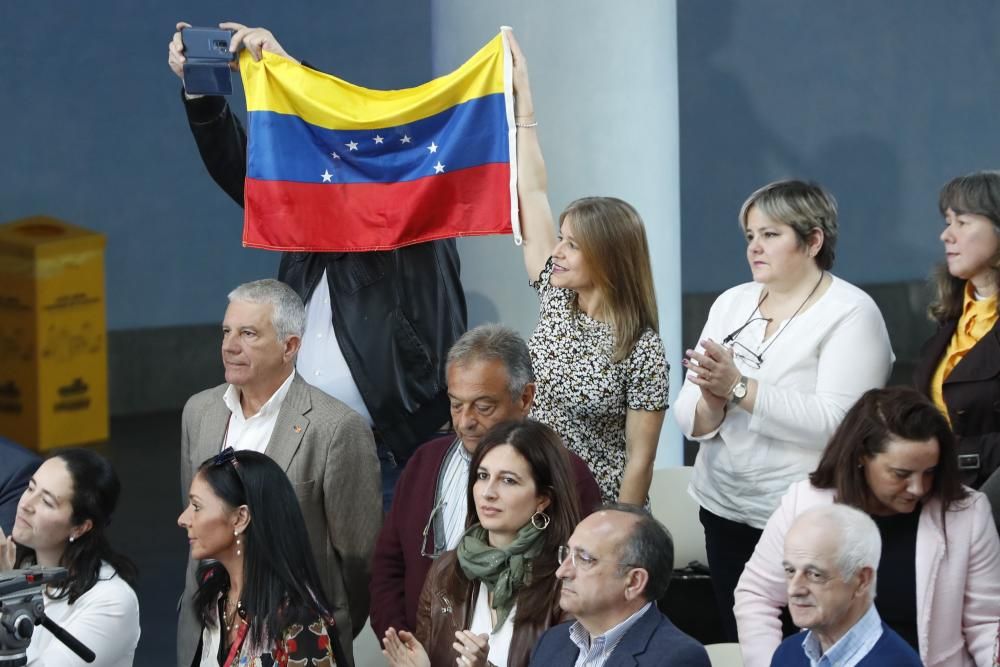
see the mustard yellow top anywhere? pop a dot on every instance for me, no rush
(978, 317)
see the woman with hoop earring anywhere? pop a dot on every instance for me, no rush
(778, 364)
(488, 601)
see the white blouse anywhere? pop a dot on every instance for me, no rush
(482, 624)
(831, 353)
(105, 619)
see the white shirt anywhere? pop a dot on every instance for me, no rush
(454, 487)
(321, 362)
(482, 624)
(105, 619)
(253, 432)
(813, 373)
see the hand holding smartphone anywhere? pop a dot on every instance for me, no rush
(207, 54)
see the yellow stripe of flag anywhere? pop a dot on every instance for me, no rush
(283, 86)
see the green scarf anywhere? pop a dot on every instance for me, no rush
(504, 571)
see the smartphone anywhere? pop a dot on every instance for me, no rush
(207, 58)
(207, 44)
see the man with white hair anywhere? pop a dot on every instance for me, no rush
(831, 559)
(326, 449)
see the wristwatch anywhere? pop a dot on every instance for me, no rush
(739, 390)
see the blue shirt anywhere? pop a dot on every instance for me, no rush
(849, 649)
(890, 649)
(595, 651)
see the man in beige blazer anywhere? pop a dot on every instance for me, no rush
(326, 449)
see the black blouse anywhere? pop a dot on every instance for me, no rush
(896, 588)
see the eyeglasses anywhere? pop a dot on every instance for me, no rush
(581, 560)
(756, 359)
(741, 351)
(433, 552)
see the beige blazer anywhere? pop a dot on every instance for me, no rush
(328, 452)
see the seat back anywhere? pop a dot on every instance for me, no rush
(678, 511)
(725, 655)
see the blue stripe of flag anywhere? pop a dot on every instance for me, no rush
(286, 148)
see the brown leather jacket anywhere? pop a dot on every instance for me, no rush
(446, 606)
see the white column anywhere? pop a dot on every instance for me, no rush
(604, 78)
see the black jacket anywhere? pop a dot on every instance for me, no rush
(972, 394)
(396, 313)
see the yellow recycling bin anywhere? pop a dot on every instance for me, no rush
(53, 336)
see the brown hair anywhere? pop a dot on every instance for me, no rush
(977, 193)
(548, 459)
(880, 414)
(803, 206)
(613, 243)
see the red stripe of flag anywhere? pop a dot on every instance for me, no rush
(354, 217)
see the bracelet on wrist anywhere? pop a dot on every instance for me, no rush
(532, 124)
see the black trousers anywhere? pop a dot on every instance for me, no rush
(729, 546)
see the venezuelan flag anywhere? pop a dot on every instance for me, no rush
(334, 167)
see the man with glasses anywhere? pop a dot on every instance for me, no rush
(490, 380)
(617, 564)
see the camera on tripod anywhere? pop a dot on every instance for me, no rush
(22, 607)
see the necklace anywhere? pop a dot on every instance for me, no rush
(231, 611)
(760, 355)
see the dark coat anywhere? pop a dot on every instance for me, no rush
(653, 640)
(398, 568)
(396, 313)
(972, 394)
(19, 464)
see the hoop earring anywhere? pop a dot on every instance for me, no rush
(238, 544)
(540, 518)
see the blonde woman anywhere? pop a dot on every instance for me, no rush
(598, 359)
(780, 361)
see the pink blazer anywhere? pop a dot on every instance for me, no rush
(958, 582)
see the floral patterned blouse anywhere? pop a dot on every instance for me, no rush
(300, 646)
(581, 393)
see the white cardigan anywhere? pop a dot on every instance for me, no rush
(957, 581)
(831, 353)
(105, 619)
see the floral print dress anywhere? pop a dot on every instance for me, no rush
(581, 393)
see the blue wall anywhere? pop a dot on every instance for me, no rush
(94, 133)
(882, 102)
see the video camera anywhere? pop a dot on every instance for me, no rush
(22, 607)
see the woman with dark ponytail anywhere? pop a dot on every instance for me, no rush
(61, 521)
(259, 597)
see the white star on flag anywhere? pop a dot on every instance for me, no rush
(439, 168)
(378, 139)
(433, 148)
(334, 156)
(352, 145)
(405, 139)
(326, 176)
